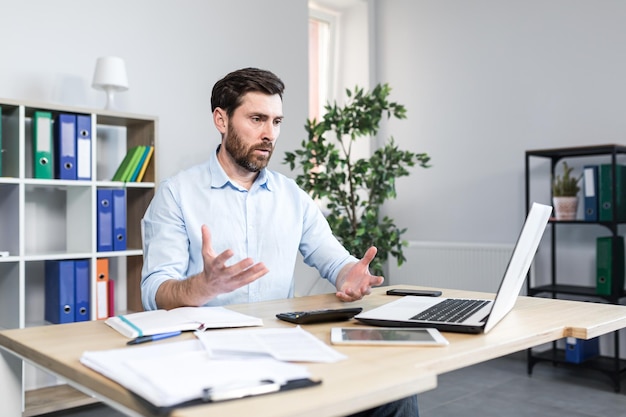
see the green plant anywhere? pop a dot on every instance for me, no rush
(567, 185)
(355, 190)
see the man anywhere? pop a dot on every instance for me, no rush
(228, 230)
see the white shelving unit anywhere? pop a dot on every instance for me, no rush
(42, 219)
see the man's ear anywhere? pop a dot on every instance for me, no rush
(220, 119)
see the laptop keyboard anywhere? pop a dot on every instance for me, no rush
(452, 310)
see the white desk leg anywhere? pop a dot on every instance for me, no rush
(11, 394)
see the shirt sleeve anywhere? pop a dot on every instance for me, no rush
(165, 244)
(319, 247)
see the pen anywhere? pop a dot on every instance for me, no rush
(144, 339)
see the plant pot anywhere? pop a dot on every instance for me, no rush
(565, 207)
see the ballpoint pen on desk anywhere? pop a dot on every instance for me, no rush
(144, 339)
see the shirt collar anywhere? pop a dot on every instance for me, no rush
(219, 178)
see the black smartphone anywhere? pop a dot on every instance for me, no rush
(320, 316)
(420, 293)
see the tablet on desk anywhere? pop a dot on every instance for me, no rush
(387, 336)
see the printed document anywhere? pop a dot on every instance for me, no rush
(285, 344)
(168, 374)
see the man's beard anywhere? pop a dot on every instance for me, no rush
(244, 156)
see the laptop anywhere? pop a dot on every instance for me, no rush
(468, 315)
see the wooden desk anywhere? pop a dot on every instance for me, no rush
(369, 377)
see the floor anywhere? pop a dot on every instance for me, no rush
(502, 388)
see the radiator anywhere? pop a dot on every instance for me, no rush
(464, 266)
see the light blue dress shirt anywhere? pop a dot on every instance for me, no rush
(268, 223)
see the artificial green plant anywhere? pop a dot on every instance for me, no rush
(356, 189)
(566, 185)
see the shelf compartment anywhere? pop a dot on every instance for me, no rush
(570, 290)
(34, 296)
(9, 135)
(115, 137)
(60, 219)
(603, 364)
(10, 289)
(56, 398)
(29, 172)
(137, 202)
(9, 218)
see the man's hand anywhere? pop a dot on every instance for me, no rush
(219, 278)
(216, 278)
(355, 281)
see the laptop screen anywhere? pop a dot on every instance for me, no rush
(519, 264)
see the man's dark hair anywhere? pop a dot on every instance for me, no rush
(228, 92)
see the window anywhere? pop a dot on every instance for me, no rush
(321, 59)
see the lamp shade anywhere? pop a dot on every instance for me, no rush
(110, 74)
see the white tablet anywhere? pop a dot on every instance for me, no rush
(389, 336)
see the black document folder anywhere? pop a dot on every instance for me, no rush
(167, 376)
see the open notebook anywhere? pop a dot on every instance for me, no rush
(462, 315)
(146, 323)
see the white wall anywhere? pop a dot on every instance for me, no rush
(174, 52)
(485, 80)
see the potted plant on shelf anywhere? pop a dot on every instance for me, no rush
(565, 194)
(354, 190)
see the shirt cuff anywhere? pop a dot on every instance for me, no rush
(149, 287)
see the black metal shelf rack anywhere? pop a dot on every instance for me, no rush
(612, 366)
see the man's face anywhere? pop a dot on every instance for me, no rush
(253, 130)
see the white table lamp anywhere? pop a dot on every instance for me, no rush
(110, 76)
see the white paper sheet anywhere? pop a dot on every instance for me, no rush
(171, 373)
(285, 344)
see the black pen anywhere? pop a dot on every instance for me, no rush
(144, 339)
